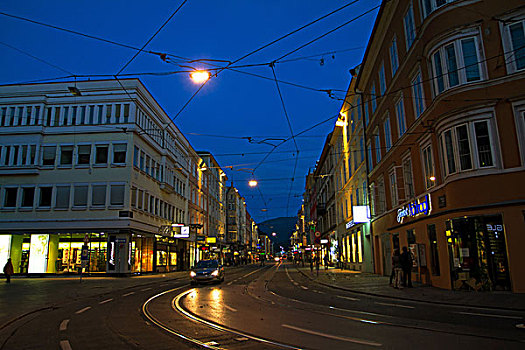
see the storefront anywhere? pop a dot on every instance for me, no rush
(477, 251)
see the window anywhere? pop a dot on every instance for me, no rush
(430, 6)
(400, 113)
(48, 155)
(101, 154)
(117, 194)
(374, 98)
(358, 107)
(366, 113)
(117, 113)
(62, 197)
(377, 146)
(46, 194)
(140, 199)
(382, 81)
(28, 197)
(393, 188)
(417, 92)
(407, 177)
(108, 113)
(456, 63)
(136, 153)
(369, 155)
(80, 195)
(428, 167)
(394, 59)
(148, 160)
(410, 29)
(458, 142)
(66, 155)
(388, 140)
(514, 43)
(10, 197)
(133, 197)
(126, 113)
(84, 154)
(98, 195)
(119, 153)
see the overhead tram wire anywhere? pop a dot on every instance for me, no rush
(262, 48)
(37, 58)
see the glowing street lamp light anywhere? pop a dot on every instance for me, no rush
(200, 76)
(252, 183)
(274, 234)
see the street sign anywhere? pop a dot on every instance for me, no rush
(317, 234)
(201, 238)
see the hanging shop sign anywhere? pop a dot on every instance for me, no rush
(420, 206)
(211, 239)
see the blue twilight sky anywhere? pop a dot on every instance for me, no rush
(232, 106)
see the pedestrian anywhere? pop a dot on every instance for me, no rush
(398, 272)
(326, 262)
(311, 265)
(406, 264)
(317, 263)
(8, 270)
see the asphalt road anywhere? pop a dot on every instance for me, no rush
(271, 307)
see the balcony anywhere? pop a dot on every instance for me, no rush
(19, 169)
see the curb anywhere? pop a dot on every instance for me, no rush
(490, 307)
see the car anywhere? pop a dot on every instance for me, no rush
(207, 271)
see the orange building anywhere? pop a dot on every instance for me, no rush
(443, 87)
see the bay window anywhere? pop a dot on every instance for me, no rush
(466, 147)
(456, 63)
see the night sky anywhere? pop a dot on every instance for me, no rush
(236, 116)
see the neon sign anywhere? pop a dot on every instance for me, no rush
(418, 207)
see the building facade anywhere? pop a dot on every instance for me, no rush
(95, 176)
(443, 96)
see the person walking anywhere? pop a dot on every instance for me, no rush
(326, 262)
(311, 265)
(317, 263)
(398, 271)
(406, 264)
(8, 270)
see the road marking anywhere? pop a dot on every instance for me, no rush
(229, 283)
(347, 298)
(63, 325)
(64, 345)
(164, 284)
(330, 336)
(145, 289)
(490, 315)
(128, 294)
(295, 283)
(106, 301)
(521, 325)
(248, 274)
(357, 312)
(230, 308)
(82, 310)
(396, 305)
(305, 288)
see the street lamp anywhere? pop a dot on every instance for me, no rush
(200, 76)
(252, 183)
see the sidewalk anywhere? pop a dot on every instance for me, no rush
(376, 285)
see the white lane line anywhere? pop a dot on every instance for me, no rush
(347, 298)
(229, 283)
(145, 289)
(230, 308)
(295, 284)
(164, 284)
(490, 315)
(83, 310)
(63, 325)
(64, 345)
(248, 274)
(330, 336)
(106, 301)
(305, 288)
(128, 294)
(396, 305)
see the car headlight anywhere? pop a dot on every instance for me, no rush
(215, 273)
(193, 274)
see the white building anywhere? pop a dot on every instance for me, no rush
(92, 161)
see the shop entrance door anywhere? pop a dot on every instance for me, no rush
(387, 254)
